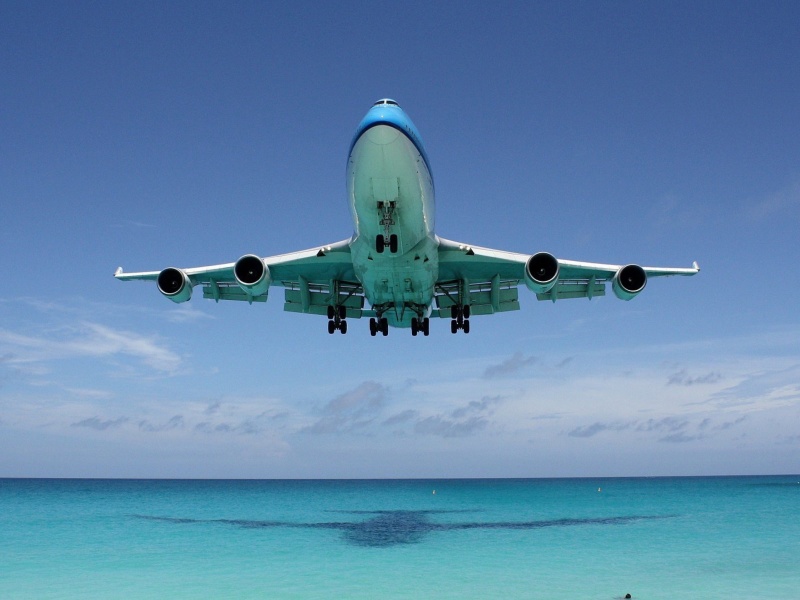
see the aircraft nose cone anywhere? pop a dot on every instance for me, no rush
(382, 134)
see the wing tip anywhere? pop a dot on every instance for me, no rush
(118, 272)
(695, 266)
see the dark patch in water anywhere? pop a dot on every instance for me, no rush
(395, 527)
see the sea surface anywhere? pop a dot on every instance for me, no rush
(704, 538)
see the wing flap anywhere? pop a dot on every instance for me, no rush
(483, 298)
(564, 290)
(217, 291)
(317, 301)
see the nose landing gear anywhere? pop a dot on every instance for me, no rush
(386, 211)
(381, 241)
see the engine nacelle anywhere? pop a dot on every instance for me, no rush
(629, 281)
(541, 272)
(252, 275)
(174, 284)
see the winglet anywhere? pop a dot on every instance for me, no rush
(118, 272)
(696, 266)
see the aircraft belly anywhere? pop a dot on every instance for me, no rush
(401, 282)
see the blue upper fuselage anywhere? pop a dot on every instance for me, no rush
(387, 112)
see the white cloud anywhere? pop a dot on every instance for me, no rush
(87, 339)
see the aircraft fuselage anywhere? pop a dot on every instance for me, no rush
(391, 195)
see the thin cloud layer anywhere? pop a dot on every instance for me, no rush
(87, 340)
(667, 429)
(512, 365)
(683, 378)
(101, 425)
(352, 410)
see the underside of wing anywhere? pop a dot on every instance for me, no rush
(313, 280)
(488, 280)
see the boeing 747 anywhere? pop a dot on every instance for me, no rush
(395, 270)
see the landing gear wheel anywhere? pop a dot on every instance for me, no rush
(342, 312)
(426, 326)
(453, 327)
(455, 312)
(465, 311)
(343, 327)
(465, 326)
(373, 327)
(380, 244)
(331, 327)
(331, 313)
(414, 327)
(393, 244)
(384, 326)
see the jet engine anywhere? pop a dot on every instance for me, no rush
(174, 284)
(252, 275)
(629, 281)
(541, 272)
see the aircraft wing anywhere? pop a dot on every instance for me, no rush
(312, 279)
(488, 279)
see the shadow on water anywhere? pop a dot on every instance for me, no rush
(395, 527)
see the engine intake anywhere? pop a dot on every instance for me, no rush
(541, 272)
(174, 284)
(629, 281)
(252, 275)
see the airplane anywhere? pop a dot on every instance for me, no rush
(394, 269)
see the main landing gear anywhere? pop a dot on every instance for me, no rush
(460, 320)
(420, 325)
(336, 319)
(381, 324)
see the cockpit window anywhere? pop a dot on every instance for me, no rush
(388, 101)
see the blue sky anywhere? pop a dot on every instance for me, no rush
(157, 134)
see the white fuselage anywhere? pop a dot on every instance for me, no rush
(390, 191)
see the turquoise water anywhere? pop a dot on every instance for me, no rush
(726, 537)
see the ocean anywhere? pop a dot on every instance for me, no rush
(693, 537)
